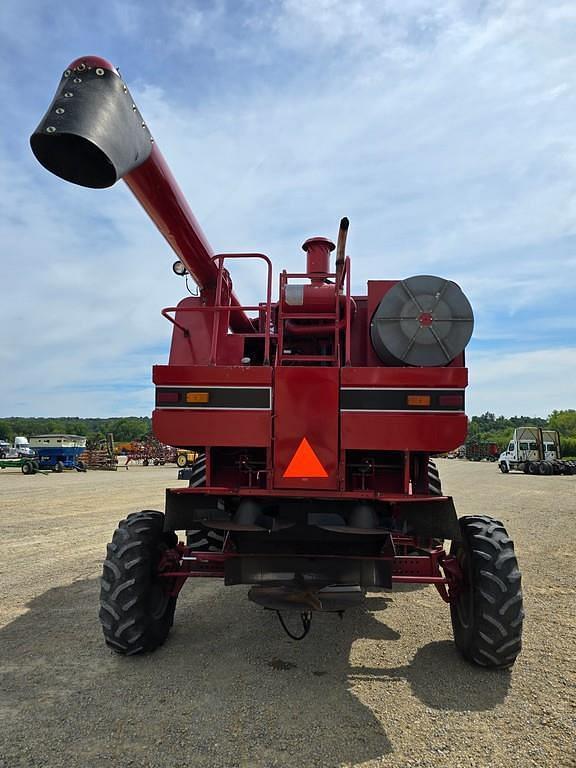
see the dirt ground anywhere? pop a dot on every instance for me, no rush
(384, 686)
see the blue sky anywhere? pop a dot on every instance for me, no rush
(444, 130)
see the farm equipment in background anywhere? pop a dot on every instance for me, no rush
(100, 454)
(314, 419)
(535, 451)
(26, 466)
(476, 450)
(185, 458)
(58, 452)
(148, 452)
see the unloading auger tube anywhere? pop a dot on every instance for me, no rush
(93, 135)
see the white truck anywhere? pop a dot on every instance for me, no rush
(535, 451)
(19, 450)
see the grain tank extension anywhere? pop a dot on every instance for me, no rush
(314, 417)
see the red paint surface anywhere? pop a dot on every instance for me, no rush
(306, 405)
(155, 188)
(93, 61)
(430, 432)
(241, 375)
(187, 428)
(425, 378)
(426, 319)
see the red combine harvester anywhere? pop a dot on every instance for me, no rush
(315, 418)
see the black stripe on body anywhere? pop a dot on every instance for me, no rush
(396, 399)
(252, 398)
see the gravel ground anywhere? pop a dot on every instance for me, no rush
(382, 687)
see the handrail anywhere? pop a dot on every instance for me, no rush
(218, 307)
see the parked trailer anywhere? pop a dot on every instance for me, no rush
(59, 452)
(535, 451)
(477, 451)
(315, 419)
(27, 466)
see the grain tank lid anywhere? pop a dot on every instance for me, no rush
(422, 321)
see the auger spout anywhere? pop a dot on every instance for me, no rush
(93, 135)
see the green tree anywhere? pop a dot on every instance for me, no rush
(564, 422)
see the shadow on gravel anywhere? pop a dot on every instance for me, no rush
(228, 689)
(443, 680)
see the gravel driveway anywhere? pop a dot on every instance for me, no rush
(381, 687)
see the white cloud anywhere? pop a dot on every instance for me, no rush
(525, 383)
(445, 132)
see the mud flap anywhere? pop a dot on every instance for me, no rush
(435, 519)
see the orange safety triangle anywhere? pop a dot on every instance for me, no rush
(305, 463)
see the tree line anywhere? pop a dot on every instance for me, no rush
(487, 427)
(123, 428)
(499, 429)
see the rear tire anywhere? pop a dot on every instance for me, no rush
(28, 468)
(434, 489)
(136, 611)
(434, 482)
(487, 615)
(202, 539)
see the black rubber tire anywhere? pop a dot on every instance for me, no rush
(136, 613)
(503, 467)
(58, 467)
(487, 615)
(434, 489)
(434, 482)
(145, 462)
(197, 477)
(526, 468)
(202, 539)
(28, 468)
(533, 468)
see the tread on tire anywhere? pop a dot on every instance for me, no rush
(136, 612)
(202, 539)
(487, 616)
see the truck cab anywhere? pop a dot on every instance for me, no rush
(529, 445)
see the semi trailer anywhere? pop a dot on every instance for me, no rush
(315, 414)
(535, 451)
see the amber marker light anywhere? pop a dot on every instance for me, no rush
(418, 400)
(197, 397)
